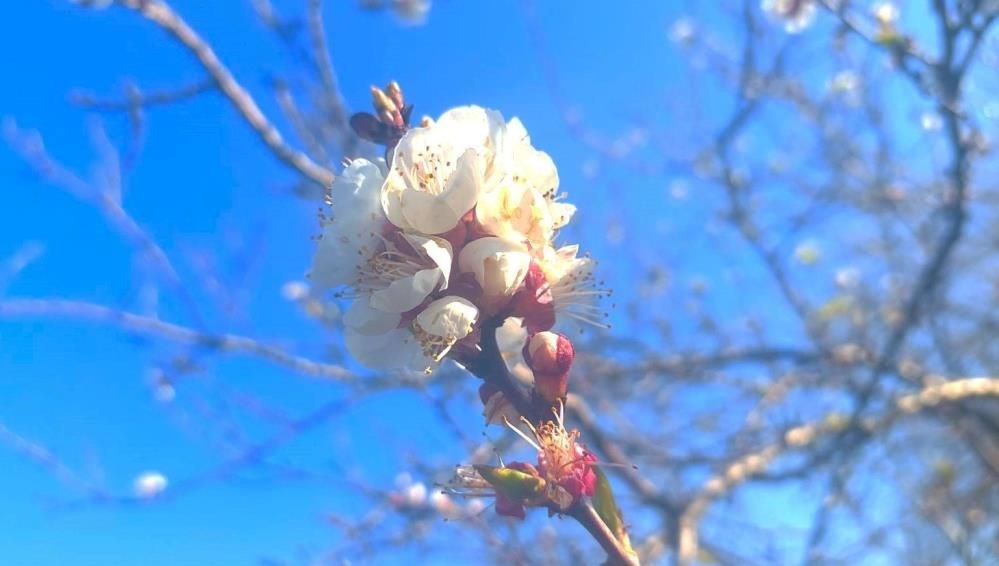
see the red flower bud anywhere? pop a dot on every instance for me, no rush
(549, 355)
(534, 302)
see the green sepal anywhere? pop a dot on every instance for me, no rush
(606, 507)
(513, 484)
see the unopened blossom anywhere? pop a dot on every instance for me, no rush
(533, 303)
(498, 265)
(350, 237)
(439, 171)
(549, 355)
(886, 13)
(444, 505)
(416, 494)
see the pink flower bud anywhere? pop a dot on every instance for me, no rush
(549, 355)
(534, 302)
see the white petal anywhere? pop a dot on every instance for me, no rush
(538, 169)
(561, 213)
(449, 317)
(362, 319)
(397, 349)
(437, 249)
(473, 127)
(352, 234)
(465, 184)
(406, 293)
(435, 214)
(391, 199)
(516, 132)
(499, 265)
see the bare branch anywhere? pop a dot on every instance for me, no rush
(163, 15)
(222, 343)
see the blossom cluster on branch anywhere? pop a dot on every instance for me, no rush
(442, 243)
(457, 227)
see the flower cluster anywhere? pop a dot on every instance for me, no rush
(447, 248)
(457, 228)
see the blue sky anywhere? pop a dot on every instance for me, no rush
(205, 186)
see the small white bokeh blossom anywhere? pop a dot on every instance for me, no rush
(796, 15)
(411, 12)
(808, 252)
(148, 485)
(886, 13)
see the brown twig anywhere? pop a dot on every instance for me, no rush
(138, 99)
(222, 343)
(163, 15)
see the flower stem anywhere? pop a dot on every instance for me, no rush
(587, 516)
(490, 367)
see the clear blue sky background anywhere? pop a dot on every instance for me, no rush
(205, 183)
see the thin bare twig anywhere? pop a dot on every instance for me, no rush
(160, 13)
(799, 437)
(222, 343)
(135, 98)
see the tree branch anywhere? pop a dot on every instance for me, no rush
(223, 343)
(163, 15)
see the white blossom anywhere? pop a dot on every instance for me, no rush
(398, 280)
(353, 234)
(379, 340)
(438, 171)
(523, 204)
(445, 321)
